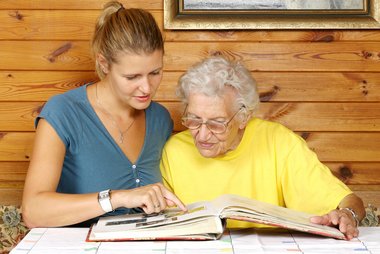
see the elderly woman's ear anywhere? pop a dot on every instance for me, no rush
(244, 118)
(244, 122)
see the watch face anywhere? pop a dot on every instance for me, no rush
(104, 194)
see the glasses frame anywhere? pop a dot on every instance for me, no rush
(225, 123)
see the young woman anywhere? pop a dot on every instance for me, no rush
(97, 148)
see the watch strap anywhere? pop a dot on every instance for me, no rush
(104, 199)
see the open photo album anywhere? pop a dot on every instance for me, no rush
(203, 221)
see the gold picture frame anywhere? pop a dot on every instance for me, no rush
(176, 17)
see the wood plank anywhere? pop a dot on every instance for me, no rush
(11, 197)
(40, 85)
(279, 56)
(56, 23)
(12, 177)
(51, 24)
(329, 57)
(307, 117)
(47, 25)
(45, 55)
(356, 173)
(273, 36)
(365, 187)
(369, 197)
(13, 171)
(75, 4)
(320, 86)
(350, 147)
(329, 146)
(16, 146)
(273, 86)
(324, 116)
(19, 116)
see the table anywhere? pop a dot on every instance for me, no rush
(243, 241)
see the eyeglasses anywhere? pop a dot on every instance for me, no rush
(214, 126)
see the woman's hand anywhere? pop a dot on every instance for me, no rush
(151, 198)
(343, 219)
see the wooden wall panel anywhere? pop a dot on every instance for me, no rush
(13, 172)
(19, 116)
(25, 22)
(325, 117)
(272, 86)
(274, 36)
(45, 55)
(323, 84)
(75, 4)
(369, 197)
(10, 196)
(330, 146)
(16, 146)
(21, 86)
(31, 24)
(356, 173)
(299, 56)
(352, 146)
(286, 56)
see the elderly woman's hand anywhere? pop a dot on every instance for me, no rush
(342, 218)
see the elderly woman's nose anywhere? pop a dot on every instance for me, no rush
(203, 133)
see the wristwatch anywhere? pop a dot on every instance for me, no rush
(104, 200)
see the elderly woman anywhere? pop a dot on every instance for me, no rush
(227, 150)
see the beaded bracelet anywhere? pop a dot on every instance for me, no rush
(352, 212)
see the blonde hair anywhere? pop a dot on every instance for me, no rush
(124, 30)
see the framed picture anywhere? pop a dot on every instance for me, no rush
(271, 14)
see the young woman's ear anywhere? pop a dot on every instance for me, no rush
(103, 63)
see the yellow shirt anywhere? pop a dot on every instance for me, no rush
(271, 164)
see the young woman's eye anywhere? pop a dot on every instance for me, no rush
(130, 77)
(155, 73)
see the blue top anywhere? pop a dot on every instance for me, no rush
(93, 160)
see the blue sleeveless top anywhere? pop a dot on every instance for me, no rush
(93, 160)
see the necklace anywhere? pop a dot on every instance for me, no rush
(113, 121)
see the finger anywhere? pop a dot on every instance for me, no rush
(173, 199)
(322, 220)
(347, 225)
(343, 223)
(170, 203)
(161, 201)
(334, 217)
(151, 208)
(356, 232)
(150, 201)
(351, 232)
